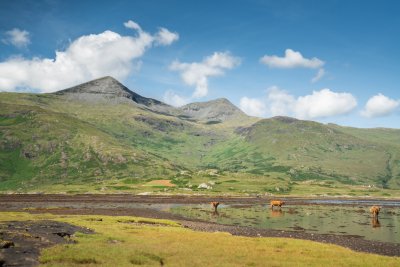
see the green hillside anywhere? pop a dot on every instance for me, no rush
(102, 137)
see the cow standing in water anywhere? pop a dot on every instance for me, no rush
(278, 203)
(215, 205)
(375, 211)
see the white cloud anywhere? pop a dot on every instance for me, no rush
(379, 105)
(292, 59)
(175, 100)
(252, 106)
(324, 103)
(197, 73)
(318, 76)
(165, 37)
(279, 101)
(319, 104)
(88, 57)
(132, 25)
(17, 37)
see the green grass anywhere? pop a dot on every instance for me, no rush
(127, 241)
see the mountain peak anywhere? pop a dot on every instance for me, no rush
(106, 85)
(220, 109)
(284, 119)
(220, 100)
(108, 89)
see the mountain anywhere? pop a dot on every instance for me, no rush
(214, 111)
(108, 89)
(102, 137)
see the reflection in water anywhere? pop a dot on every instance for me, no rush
(323, 219)
(375, 222)
(215, 213)
(276, 213)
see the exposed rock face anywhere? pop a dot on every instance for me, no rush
(218, 110)
(108, 89)
(105, 86)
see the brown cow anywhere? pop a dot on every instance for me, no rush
(278, 203)
(375, 210)
(215, 205)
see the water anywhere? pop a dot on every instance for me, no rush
(322, 219)
(344, 217)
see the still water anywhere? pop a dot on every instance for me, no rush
(322, 219)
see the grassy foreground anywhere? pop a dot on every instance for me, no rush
(130, 241)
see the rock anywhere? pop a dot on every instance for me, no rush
(144, 194)
(204, 186)
(6, 244)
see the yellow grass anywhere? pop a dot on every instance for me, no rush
(129, 241)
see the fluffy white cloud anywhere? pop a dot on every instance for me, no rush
(319, 104)
(252, 106)
(292, 59)
(17, 37)
(88, 57)
(324, 103)
(318, 76)
(165, 37)
(379, 105)
(279, 101)
(197, 73)
(175, 100)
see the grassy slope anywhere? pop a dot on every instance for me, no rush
(48, 141)
(323, 152)
(390, 140)
(56, 148)
(119, 241)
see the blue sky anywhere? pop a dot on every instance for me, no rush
(186, 51)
